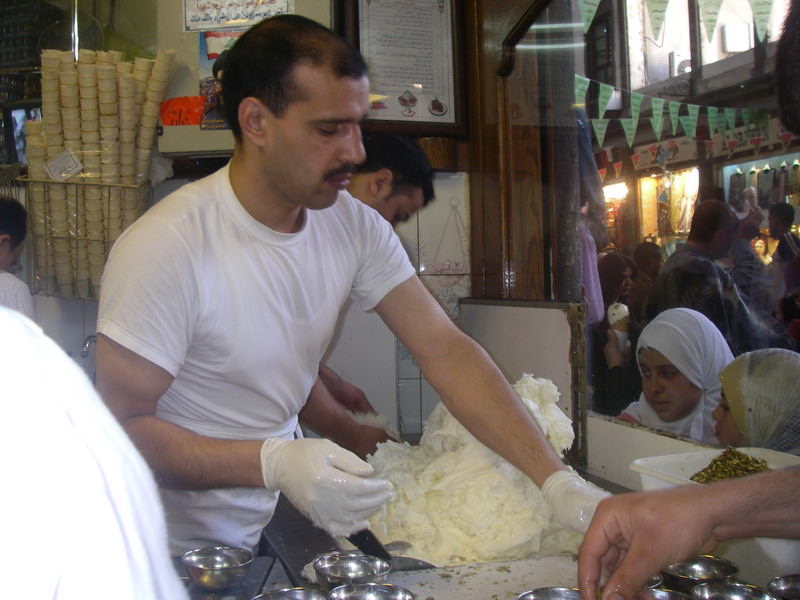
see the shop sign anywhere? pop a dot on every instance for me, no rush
(661, 154)
(755, 137)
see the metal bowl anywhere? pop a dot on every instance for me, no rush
(551, 593)
(341, 568)
(296, 593)
(704, 568)
(786, 587)
(661, 594)
(655, 581)
(217, 567)
(729, 590)
(370, 591)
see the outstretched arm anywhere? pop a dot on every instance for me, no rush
(632, 536)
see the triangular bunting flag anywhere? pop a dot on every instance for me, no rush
(636, 105)
(581, 85)
(618, 168)
(635, 160)
(603, 97)
(689, 125)
(602, 172)
(747, 116)
(713, 119)
(588, 10)
(657, 9)
(674, 109)
(709, 10)
(730, 117)
(629, 127)
(600, 126)
(761, 11)
(657, 119)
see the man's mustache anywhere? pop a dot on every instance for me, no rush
(345, 169)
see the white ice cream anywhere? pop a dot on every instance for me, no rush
(616, 312)
(458, 502)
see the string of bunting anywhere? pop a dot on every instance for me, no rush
(720, 119)
(709, 14)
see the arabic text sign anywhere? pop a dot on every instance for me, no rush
(204, 15)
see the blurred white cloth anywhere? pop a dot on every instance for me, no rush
(81, 514)
(763, 392)
(697, 349)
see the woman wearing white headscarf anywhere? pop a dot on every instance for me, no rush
(761, 403)
(680, 355)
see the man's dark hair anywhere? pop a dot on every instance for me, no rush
(261, 63)
(13, 220)
(219, 64)
(711, 216)
(787, 69)
(646, 252)
(404, 158)
(784, 213)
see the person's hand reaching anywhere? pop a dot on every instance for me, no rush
(572, 499)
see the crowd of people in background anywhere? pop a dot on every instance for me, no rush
(693, 312)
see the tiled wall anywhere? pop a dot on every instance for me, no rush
(437, 239)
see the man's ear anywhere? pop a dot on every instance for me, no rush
(380, 185)
(252, 119)
(5, 242)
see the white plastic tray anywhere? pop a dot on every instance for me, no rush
(676, 469)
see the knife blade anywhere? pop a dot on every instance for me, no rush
(366, 541)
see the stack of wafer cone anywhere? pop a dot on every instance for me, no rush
(105, 111)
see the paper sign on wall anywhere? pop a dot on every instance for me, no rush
(204, 15)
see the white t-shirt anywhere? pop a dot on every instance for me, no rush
(14, 293)
(81, 513)
(240, 315)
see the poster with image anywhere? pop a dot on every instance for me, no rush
(212, 45)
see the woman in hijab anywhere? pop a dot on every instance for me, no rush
(761, 401)
(680, 355)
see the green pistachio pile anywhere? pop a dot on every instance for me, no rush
(731, 463)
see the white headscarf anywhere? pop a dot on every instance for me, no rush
(763, 391)
(697, 349)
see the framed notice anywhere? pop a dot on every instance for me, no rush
(414, 53)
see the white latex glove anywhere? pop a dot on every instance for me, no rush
(572, 499)
(327, 483)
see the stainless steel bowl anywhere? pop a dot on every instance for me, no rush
(296, 593)
(551, 593)
(662, 594)
(786, 587)
(370, 591)
(341, 568)
(729, 590)
(655, 580)
(704, 568)
(217, 567)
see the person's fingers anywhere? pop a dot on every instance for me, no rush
(348, 462)
(631, 574)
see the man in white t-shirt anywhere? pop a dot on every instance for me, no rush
(218, 304)
(14, 293)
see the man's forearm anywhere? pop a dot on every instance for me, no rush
(181, 459)
(498, 418)
(763, 505)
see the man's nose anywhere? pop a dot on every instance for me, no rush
(353, 151)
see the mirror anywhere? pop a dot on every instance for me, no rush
(632, 114)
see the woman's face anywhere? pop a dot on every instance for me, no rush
(671, 395)
(725, 429)
(627, 283)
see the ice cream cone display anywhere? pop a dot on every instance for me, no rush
(99, 116)
(618, 321)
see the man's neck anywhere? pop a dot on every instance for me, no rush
(257, 196)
